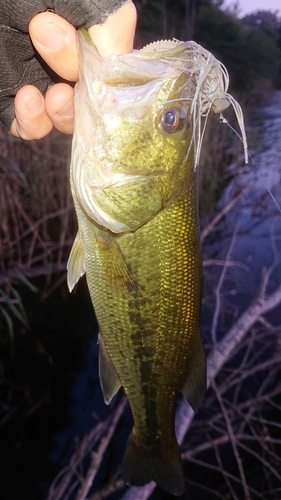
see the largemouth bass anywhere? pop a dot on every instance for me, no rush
(136, 146)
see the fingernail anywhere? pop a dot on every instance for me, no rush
(35, 106)
(50, 35)
(67, 110)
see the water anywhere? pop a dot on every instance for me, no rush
(253, 226)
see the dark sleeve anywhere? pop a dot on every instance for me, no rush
(19, 63)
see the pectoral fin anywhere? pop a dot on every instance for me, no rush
(195, 385)
(108, 378)
(75, 264)
(114, 265)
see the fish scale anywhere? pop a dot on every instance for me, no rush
(156, 324)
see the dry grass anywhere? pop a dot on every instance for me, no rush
(37, 224)
(235, 436)
(37, 218)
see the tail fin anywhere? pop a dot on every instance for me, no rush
(142, 464)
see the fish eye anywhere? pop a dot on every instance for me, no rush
(172, 120)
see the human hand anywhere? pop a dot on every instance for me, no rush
(55, 40)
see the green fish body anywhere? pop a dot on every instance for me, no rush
(134, 185)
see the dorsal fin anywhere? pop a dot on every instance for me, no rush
(160, 46)
(109, 381)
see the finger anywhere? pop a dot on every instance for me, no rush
(59, 107)
(55, 40)
(116, 34)
(31, 121)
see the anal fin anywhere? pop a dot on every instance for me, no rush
(194, 387)
(109, 381)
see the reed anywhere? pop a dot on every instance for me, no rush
(37, 219)
(37, 224)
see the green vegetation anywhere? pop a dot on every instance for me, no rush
(249, 52)
(250, 47)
